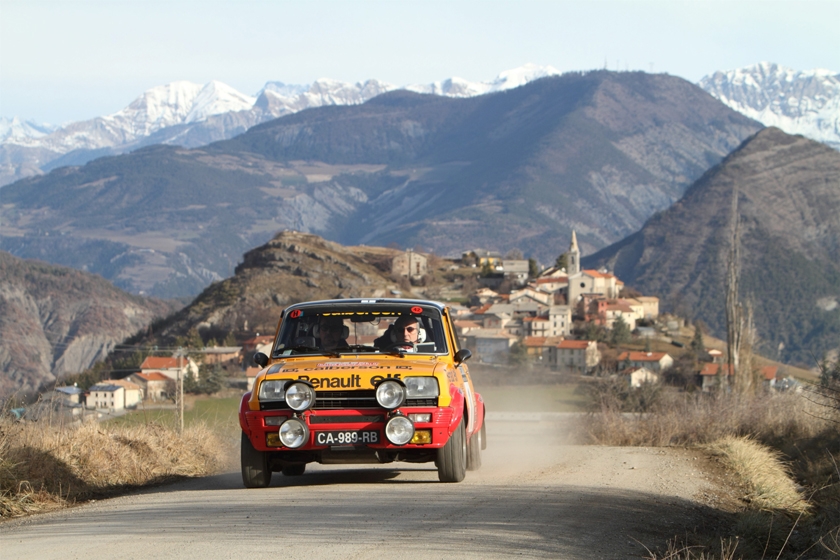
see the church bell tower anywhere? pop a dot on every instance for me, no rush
(573, 257)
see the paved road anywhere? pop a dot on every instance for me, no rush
(535, 497)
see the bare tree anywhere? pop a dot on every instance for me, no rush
(734, 311)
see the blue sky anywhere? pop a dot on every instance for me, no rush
(66, 60)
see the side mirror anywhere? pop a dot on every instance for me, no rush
(462, 355)
(261, 359)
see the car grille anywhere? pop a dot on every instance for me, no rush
(336, 400)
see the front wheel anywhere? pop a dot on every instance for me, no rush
(452, 458)
(255, 471)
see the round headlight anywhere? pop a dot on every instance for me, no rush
(399, 430)
(300, 396)
(390, 394)
(293, 433)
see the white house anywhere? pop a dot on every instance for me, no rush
(639, 375)
(106, 396)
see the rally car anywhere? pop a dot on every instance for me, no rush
(362, 381)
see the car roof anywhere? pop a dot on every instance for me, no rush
(368, 301)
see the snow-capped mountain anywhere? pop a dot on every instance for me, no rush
(799, 102)
(458, 87)
(277, 99)
(191, 115)
(158, 108)
(17, 130)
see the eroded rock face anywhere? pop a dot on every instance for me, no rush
(56, 320)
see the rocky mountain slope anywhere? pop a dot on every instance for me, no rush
(290, 268)
(191, 115)
(798, 102)
(597, 152)
(789, 206)
(56, 320)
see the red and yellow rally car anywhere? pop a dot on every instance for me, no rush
(362, 381)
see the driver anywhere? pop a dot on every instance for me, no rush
(405, 331)
(331, 331)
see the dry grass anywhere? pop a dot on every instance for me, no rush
(691, 419)
(766, 479)
(44, 467)
(782, 448)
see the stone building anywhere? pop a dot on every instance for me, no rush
(411, 264)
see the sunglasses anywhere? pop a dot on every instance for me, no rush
(407, 329)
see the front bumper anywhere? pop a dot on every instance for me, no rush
(262, 433)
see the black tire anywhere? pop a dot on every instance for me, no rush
(474, 450)
(294, 470)
(452, 458)
(255, 470)
(484, 433)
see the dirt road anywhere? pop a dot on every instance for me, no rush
(534, 497)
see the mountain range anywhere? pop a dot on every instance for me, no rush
(598, 152)
(788, 207)
(191, 115)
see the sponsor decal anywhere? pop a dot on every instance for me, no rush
(347, 364)
(377, 379)
(352, 382)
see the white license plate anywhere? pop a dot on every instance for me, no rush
(347, 437)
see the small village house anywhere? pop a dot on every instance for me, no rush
(411, 264)
(709, 375)
(172, 367)
(104, 396)
(154, 385)
(636, 376)
(657, 362)
(575, 356)
(222, 354)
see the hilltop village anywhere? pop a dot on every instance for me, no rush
(561, 320)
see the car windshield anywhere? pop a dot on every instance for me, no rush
(361, 328)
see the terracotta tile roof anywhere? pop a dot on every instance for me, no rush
(596, 274)
(159, 362)
(553, 280)
(483, 309)
(710, 369)
(642, 356)
(769, 372)
(574, 344)
(122, 383)
(152, 376)
(713, 369)
(534, 341)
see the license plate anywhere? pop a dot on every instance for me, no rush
(347, 437)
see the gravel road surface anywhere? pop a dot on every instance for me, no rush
(534, 497)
